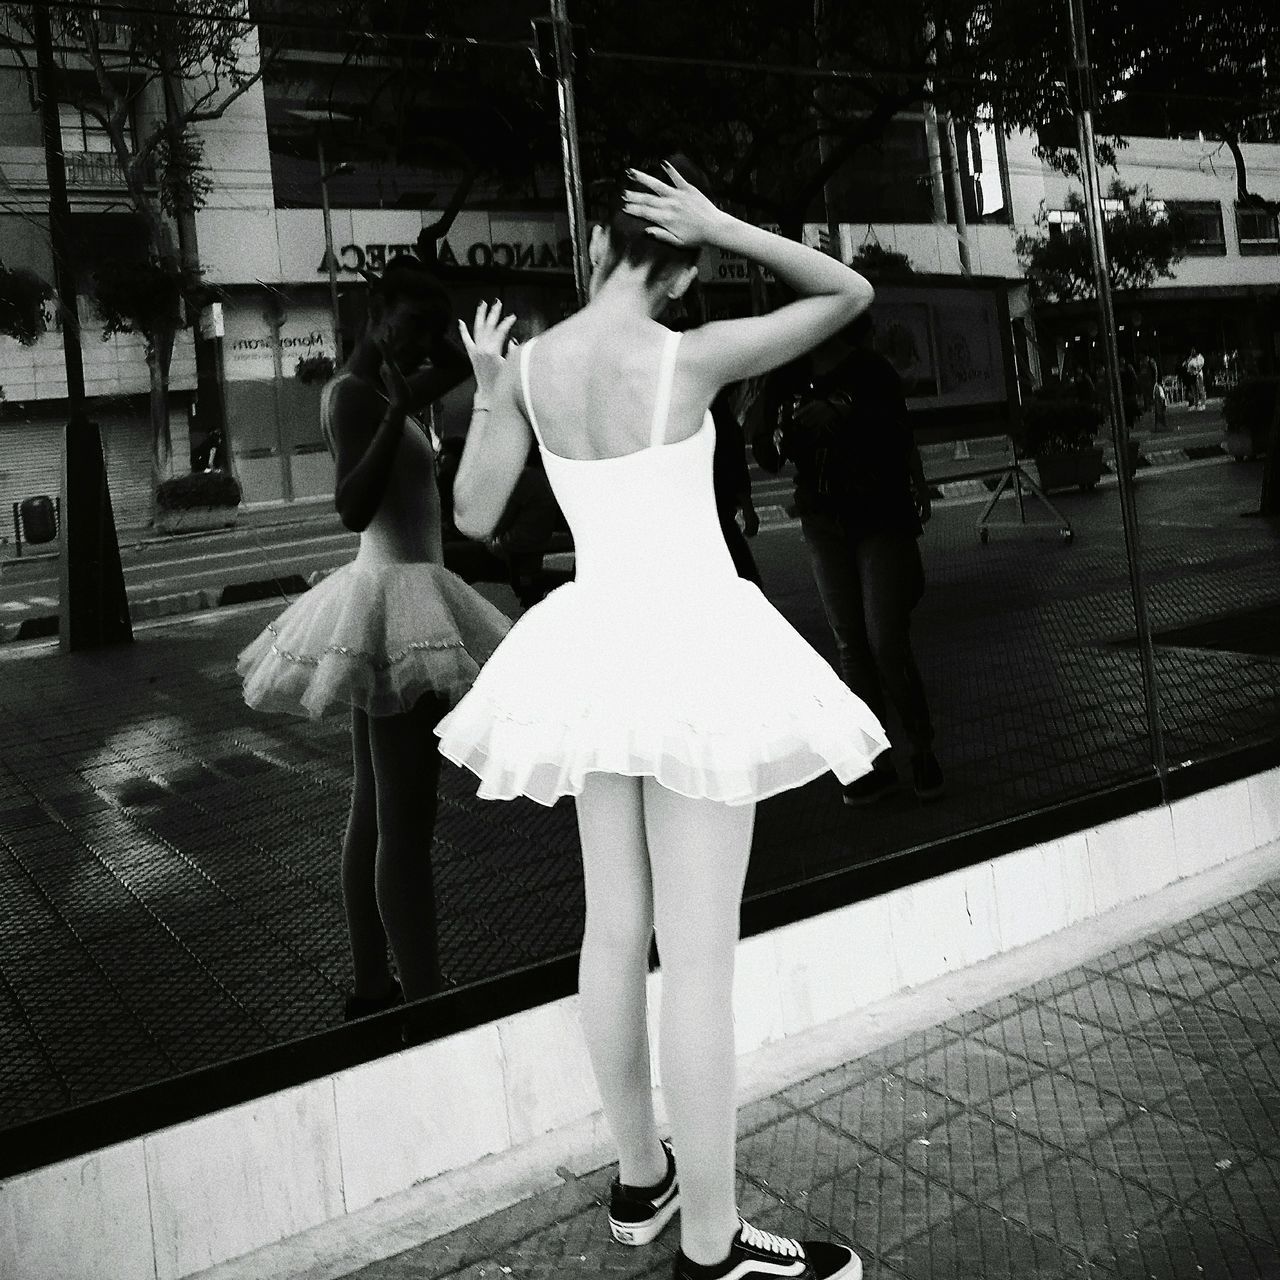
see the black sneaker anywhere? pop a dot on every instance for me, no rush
(366, 1006)
(871, 788)
(638, 1214)
(760, 1255)
(926, 777)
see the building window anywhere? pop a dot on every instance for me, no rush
(82, 132)
(1258, 231)
(1197, 227)
(1060, 221)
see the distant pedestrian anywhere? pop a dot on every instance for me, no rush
(862, 500)
(1194, 367)
(1129, 394)
(393, 634)
(1148, 376)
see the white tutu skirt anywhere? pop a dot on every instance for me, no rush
(714, 694)
(375, 635)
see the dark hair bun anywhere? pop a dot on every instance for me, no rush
(408, 279)
(627, 234)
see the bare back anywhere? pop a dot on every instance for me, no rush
(593, 390)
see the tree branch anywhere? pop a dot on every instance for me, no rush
(195, 115)
(7, 42)
(440, 227)
(1244, 197)
(869, 126)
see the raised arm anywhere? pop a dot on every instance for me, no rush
(831, 294)
(499, 437)
(449, 368)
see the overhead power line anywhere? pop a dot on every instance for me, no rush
(525, 48)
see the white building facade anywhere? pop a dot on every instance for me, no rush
(269, 268)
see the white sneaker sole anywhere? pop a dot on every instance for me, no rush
(853, 1271)
(638, 1233)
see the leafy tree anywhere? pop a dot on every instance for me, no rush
(772, 141)
(1141, 248)
(1176, 70)
(22, 299)
(878, 263)
(155, 70)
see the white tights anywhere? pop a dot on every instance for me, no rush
(655, 858)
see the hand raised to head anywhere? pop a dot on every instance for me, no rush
(678, 213)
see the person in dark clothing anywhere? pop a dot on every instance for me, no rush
(1085, 389)
(1148, 376)
(862, 501)
(731, 480)
(1129, 394)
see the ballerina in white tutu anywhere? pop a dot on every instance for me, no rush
(619, 688)
(394, 635)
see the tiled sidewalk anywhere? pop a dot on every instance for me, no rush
(168, 859)
(1118, 1120)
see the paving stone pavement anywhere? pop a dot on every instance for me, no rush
(1118, 1120)
(168, 860)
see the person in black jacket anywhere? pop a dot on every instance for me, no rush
(862, 502)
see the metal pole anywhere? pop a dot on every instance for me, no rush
(328, 253)
(59, 212)
(1002, 160)
(1119, 426)
(937, 192)
(569, 149)
(835, 244)
(957, 192)
(93, 607)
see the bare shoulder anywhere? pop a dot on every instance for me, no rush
(352, 396)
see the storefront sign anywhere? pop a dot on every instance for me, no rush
(352, 259)
(253, 344)
(535, 255)
(302, 343)
(532, 255)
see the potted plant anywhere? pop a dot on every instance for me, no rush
(199, 501)
(315, 368)
(1061, 436)
(1248, 409)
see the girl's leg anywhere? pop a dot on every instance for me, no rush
(359, 858)
(698, 851)
(613, 968)
(406, 768)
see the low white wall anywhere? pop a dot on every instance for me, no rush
(185, 1198)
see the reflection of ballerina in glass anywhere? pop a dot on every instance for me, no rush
(659, 688)
(393, 634)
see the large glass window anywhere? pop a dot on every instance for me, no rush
(1258, 231)
(171, 862)
(1197, 225)
(82, 131)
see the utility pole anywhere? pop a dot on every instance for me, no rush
(210, 406)
(937, 192)
(562, 32)
(957, 192)
(1082, 89)
(94, 609)
(334, 310)
(835, 245)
